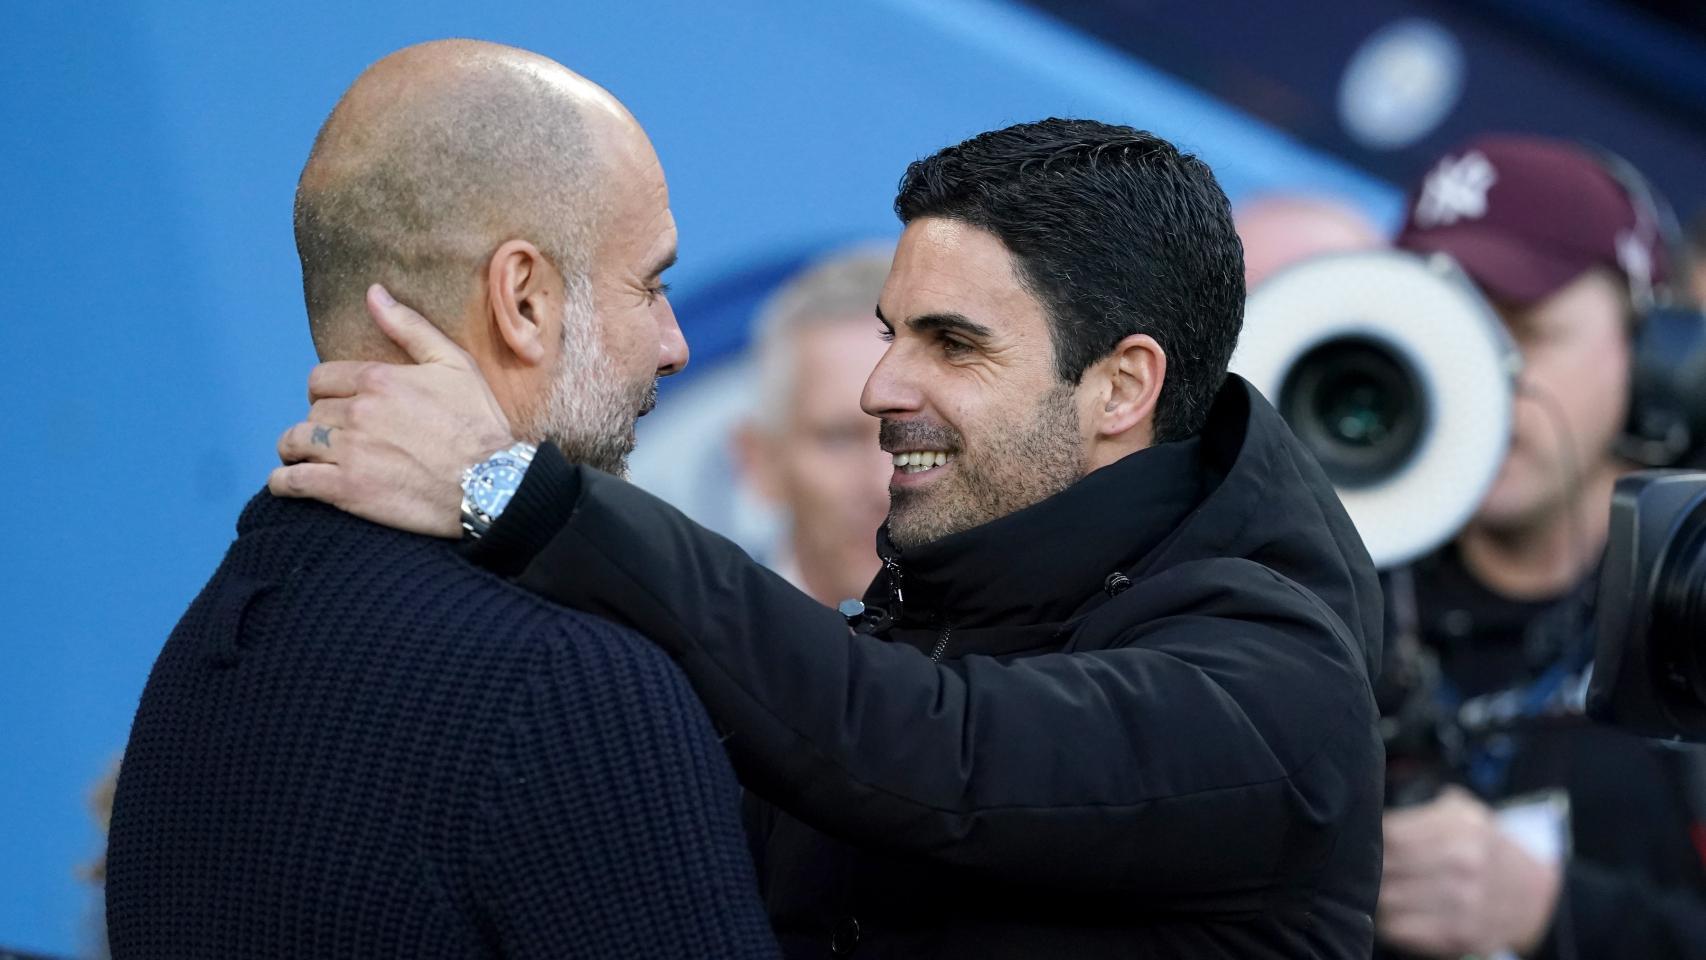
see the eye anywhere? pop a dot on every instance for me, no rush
(954, 346)
(656, 291)
(885, 334)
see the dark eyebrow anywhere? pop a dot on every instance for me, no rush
(663, 264)
(950, 322)
(955, 322)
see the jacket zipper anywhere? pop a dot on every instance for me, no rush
(892, 566)
(941, 644)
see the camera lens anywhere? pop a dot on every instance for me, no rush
(1359, 408)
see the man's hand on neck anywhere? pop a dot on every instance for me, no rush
(389, 442)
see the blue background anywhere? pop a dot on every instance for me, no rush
(155, 342)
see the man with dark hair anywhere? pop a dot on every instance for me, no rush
(1109, 695)
(356, 743)
(1054, 194)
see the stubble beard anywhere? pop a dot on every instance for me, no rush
(1012, 469)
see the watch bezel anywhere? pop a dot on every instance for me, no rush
(476, 522)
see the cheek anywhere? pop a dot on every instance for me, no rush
(1602, 390)
(629, 338)
(986, 410)
(640, 347)
(1587, 386)
(966, 412)
(835, 478)
(810, 479)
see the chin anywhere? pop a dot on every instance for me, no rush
(1510, 507)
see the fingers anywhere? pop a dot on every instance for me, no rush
(339, 411)
(423, 342)
(309, 442)
(340, 378)
(319, 481)
(373, 488)
(1414, 933)
(1426, 918)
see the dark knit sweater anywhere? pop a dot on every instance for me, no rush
(356, 744)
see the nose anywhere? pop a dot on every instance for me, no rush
(891, 389)
(672, 344)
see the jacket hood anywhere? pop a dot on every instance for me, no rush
(1243, 488)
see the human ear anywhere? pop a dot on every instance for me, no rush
(1129, 383)
(521, 285)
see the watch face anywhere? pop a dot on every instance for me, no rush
(493, 484)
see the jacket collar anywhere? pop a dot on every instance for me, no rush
(1040, 564)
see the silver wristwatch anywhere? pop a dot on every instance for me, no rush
(488, 486)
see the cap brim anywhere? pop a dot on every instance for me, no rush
(1509, 270)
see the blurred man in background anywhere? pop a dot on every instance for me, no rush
(1280, 229)
(806, 447)
(1568, 255)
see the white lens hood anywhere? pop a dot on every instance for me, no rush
(1429, 314)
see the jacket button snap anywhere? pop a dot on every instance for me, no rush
(1116, 584)
(845, 937)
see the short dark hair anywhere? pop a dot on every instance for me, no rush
(1117, 232)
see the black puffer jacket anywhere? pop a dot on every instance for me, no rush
(1132, 720)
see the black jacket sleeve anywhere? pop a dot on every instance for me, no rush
(1609, 913)
(1097, 770)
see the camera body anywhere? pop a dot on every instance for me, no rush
(1650, 659)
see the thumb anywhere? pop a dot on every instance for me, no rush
(423, 342)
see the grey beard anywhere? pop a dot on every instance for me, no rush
(1005, 474)
(590, 413)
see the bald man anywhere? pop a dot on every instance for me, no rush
(1278, 230)
(356, 743)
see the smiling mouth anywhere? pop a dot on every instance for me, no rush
(921, 461)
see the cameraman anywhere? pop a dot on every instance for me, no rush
(1567, 252)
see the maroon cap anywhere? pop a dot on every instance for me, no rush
(1526, 215)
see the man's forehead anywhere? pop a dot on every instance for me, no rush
(639, 234)
(828, 349)
(949, 266)
(661, 253)
(835, 334)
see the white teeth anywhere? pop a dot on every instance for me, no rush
(918, 461)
